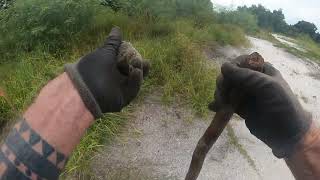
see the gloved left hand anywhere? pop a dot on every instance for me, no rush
(265, 101)
(102, 87)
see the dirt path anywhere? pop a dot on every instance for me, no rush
(159, 140)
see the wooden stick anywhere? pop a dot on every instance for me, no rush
(211, 135)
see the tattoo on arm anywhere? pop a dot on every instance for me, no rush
(25, 155)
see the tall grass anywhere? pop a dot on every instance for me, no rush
(6, 111)
(312, 48)
(179, 66)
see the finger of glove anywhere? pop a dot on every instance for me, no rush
(214, 106)
(243, 78)
(219, 98)
(270, 70)
(124, 67)
(113, 42)
(143, 65)
(136, 63)
(133, 84)
(146, 68)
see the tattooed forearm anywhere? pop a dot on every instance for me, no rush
(38, 146)
(25, 155)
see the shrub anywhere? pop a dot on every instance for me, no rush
(228, 34)
(6, 111)
(243, 19)
(179, 66)
(47, 24)
(34, 70)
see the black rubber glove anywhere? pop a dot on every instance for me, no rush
(101, 85)
(270, 109)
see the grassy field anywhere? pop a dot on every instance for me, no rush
(38, 41)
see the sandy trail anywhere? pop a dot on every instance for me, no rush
(158, 142)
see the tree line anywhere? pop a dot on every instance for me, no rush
(165, 8)
(275, 21)
(249, 18)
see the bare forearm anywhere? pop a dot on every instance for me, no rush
(59, 115)
(304, 163)
(39, 145)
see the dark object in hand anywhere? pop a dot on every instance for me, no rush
(223, 114)
(129, 58)
(254, 61)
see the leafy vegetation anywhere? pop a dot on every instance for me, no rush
(273, 21)
(47, 25)
(5, 111)
(243, 19)
(249, 18)
(38, 37)
(308, 28)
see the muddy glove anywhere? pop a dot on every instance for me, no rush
(98, 80)
(270, 109)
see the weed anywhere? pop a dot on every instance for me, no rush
(34, 71)
(100, 133)
(179, 66)
(6, 111)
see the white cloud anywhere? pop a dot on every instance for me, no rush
(294, 10)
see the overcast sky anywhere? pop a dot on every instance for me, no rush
(294, 10)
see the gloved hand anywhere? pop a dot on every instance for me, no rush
(270, 109)
(99, 82)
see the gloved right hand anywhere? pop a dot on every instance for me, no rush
(270, 109)
(102, 86)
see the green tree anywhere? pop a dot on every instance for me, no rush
(168, 8)
(274, 21)
(278, 21)
(244, 19)
(306, 27)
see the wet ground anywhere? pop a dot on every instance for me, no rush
(158, 141)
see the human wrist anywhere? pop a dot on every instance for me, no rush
(59, 115)
(303, 163)
(310, 138)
